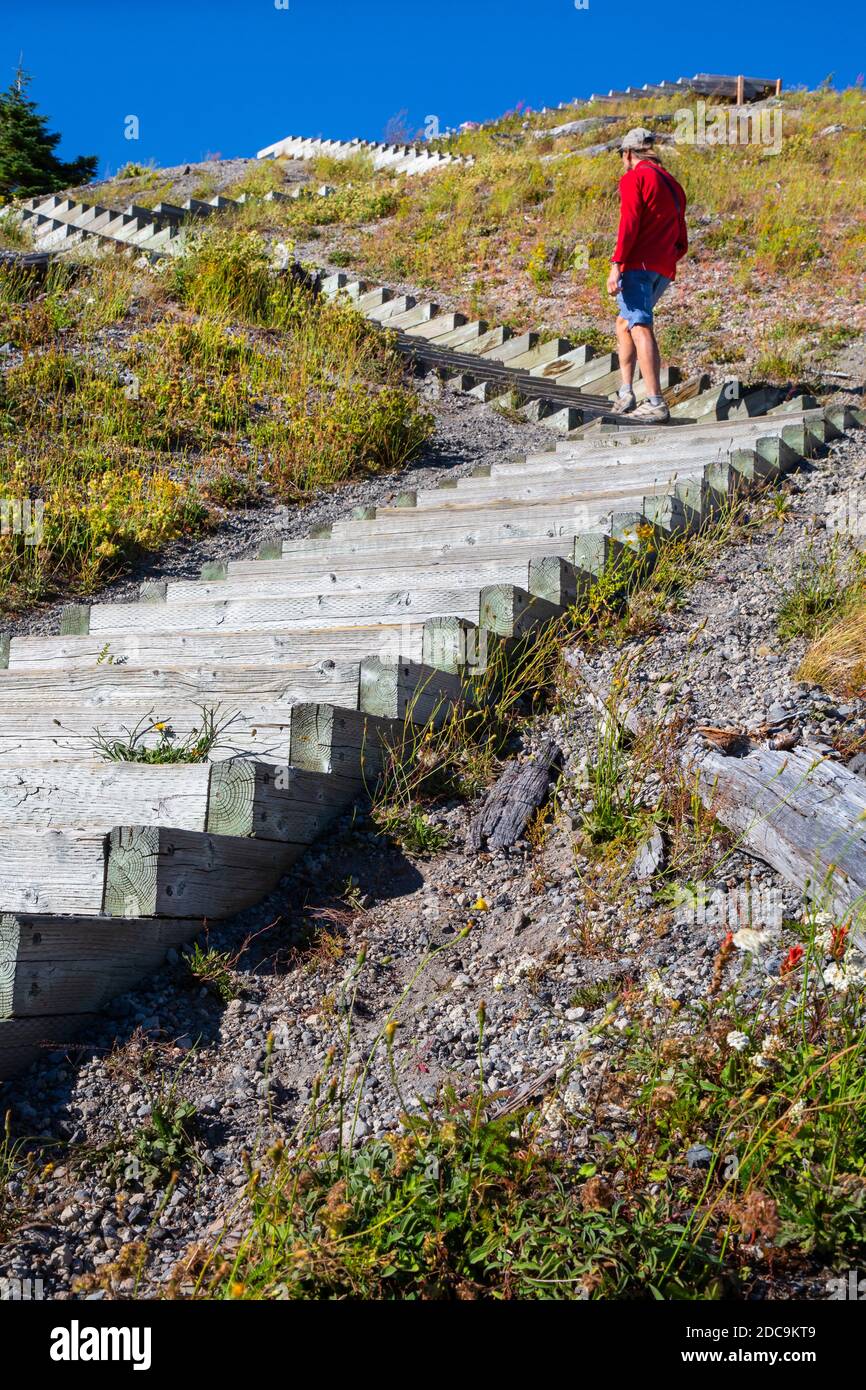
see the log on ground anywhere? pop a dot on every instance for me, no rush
(513, 799)
(797, 811)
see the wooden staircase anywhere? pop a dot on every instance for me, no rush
(566, 385)
(316, 653)
(401, 159)
(58, 223)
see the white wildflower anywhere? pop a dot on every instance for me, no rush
(748, 939)
(836, 977)
(824, 927)
(771, 1046)
(653, 984)
(845, 975)
(737, 1040)
(824, 940)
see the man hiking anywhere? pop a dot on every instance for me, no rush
(652, 238)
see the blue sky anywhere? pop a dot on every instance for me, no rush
(227, 78)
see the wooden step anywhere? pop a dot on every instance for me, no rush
(346, 571)
(620, 469)
(711, 433)
(493, 339)
(138, 649)
(544, 563)
(621, 434)
(252, 730)
(316, 612)
(27, 1040)
(273, 578)
(264, 578)
(51, 966)
(138, 871)
(551, 537)
(581, 511)
(240, 797)
(587, 373)
(567, 481)
(460, 338)
(101, 685)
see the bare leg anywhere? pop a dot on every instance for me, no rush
(648, 357)
(625, 349)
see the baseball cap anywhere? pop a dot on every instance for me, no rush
(638, 139)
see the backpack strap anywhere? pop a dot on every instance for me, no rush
(672, 186)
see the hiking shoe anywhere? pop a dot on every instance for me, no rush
(652, 414)
(623, 405)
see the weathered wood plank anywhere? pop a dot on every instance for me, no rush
(622, 455)
(513, 799)
(104, 684)
(138, 871)
(566, 483)
(242, 648)
(57, 794)
(495, 518)
(274, 801)
(800, 813)
(52, 871)
(622, 461)
(269, 800)
(161, 872)
(414, 571)
(679, 435)
(283, 614)
(408, 689)
(261, 731)
(73, 965)
(348, 743)
(348, 566)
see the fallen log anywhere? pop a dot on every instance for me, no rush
(511, 801)
(803, 815)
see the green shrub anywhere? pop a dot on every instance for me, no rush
(226, 273)
(786, 246)
(350, 430)
(465, 1206)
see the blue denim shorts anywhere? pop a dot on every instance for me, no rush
(639, 292)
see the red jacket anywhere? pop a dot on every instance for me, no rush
(652, 221)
